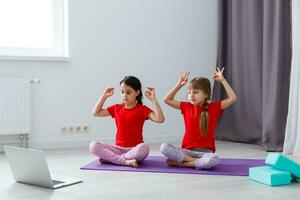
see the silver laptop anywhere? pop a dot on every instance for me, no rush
(30, 166)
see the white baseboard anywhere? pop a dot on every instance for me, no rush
(85, 143)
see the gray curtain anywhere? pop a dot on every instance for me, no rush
(254, 46)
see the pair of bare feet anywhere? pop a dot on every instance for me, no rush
(134, 163)
(131, 163)
(182, 164)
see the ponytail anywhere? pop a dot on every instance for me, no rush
(139, 98)
(204, 118)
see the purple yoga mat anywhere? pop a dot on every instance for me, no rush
(227, 166)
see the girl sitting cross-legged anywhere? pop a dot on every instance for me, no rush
(129, 116)
(200, 119)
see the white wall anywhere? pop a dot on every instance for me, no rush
(153, 40)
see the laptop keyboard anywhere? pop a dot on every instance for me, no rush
(55, 182)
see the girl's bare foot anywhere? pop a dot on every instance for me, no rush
(132, 163)
(171, 162)
(104, 161)
(177, 164)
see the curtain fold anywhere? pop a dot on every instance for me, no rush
(254, 47)
(292, 132)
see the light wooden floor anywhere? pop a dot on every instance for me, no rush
(107, 185)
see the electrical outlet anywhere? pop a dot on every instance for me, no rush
(74, 129)
(71, 129)
(63, 129)
(86, 128)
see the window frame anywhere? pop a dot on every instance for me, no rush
(60, 51)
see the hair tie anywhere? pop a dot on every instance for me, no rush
(205, 107)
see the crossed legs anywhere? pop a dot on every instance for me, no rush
(187, 158)
(119, 155)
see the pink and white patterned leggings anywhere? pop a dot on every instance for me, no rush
(117, 154)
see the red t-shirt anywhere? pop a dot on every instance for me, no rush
(192, 137)
(129, 122)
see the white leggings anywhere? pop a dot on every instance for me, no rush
(206, 158)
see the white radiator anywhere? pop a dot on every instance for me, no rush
(14, 106)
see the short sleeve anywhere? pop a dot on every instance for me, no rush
(216, 108)
(112, 110)
(146, 111)
(183, 106)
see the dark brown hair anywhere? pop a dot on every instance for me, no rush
(135, 83)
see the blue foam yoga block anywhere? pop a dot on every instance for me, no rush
(281, 162)
(269, 176)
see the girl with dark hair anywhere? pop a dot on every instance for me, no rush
(129, 117)
(200, 119)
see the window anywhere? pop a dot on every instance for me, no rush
(34, 29)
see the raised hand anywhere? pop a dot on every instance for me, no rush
(218, 74)
(183, 78)
(108, 92)
(150, 93)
